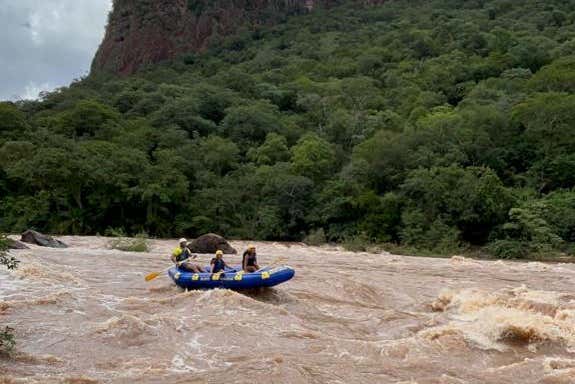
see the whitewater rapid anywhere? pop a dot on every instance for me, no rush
(85, 315)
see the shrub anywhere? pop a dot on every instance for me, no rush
(315, 237)
(508, 249)
(7, 341)
(526, 234)
(357, 243)
(8, 261)
(455, 203)
(435, 237)
(121, 242)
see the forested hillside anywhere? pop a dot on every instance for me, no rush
(435, 125)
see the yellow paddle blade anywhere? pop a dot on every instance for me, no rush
(152, 276)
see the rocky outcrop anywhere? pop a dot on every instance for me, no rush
(142, 32)
(15, 244)
(210, 243)
(33, 237)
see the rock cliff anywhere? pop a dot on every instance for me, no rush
(144, 32)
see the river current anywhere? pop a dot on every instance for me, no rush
(85, 315)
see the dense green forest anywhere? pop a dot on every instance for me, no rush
(434, 125)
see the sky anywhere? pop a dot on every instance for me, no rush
(45, 44)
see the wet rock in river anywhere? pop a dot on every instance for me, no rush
(38, 238)
(15, 244)
(210, 243)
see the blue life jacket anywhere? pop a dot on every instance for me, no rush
(217, 265)
(252, 259)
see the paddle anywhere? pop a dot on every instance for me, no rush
(153, 275)
(277, 261)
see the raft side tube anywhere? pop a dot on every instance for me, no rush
(231, 278)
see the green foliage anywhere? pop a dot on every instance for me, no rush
(357, 243)
(273, 150)
(453, 201)
(315, 237)
(7, 341)
(435, 236)
(509, 249)
(138, 243)
(527, 234)
(9, 262)
(12, 121)
(429, 126)
(250, 124)
(314, 157)
(556, 77)
(218, 155)
(85, 119)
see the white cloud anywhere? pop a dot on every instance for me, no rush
(47, 43)
(32, 90)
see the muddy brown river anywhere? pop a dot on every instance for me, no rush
(85, 315)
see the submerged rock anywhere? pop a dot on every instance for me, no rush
(210, 243)
(15, 244)
(38, 238)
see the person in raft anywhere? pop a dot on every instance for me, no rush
(182, 256)
(218, 264)
(250, 261)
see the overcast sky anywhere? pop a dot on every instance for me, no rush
(46, 44)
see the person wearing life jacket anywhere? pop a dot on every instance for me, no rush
(183, 256)
(218, 264)
(249, 260)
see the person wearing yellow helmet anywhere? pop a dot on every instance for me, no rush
(182, 256)
(249, 260)
(218, 264)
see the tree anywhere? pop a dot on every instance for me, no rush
(249, 124)
(472, 200)
(12, 121)
(417, 123)
(217, 154)
(549, 121)
(556, 77)
(273, 150)
(314, 157)
(185, 114)
(85, 119)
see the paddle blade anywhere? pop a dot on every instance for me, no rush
(152, 276)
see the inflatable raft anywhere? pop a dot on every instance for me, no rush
(232, 278)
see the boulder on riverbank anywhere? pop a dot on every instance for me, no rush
(33, 237)
(210, 243)
(15, 244)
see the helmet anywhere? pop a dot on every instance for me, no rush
(219, 252)
(183, 240)
(251, 246)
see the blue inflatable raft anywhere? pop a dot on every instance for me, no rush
(232, 278)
